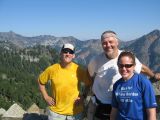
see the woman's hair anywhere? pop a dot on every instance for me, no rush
(128, 54)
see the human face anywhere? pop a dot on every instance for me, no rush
(126, 67)
(67, 56)
(110, 46)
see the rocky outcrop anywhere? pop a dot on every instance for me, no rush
(2, 111)
(33, 109)
(15, 112)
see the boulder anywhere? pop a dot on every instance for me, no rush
(15, 111)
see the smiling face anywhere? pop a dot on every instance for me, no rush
(110, 47)
(66, 56)
(126, 65)
(110, 44)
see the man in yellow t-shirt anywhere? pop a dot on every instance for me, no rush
(66, 101)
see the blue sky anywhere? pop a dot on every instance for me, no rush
(83, 19)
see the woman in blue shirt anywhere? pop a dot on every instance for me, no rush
(133, 94)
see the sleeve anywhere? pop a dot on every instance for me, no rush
(148, 94)
(44, 76)
(138, 66)
(114, 100)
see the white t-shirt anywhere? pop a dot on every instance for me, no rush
(106, 74)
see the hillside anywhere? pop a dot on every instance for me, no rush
(146, 47)
(23, 58)
(19, 71)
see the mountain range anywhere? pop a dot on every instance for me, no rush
(146, 47)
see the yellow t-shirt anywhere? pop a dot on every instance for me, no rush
(65, 87)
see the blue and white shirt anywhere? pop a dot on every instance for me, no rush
(133, 97)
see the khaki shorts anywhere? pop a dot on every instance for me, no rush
(54, 116)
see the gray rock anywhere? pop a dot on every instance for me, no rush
(15, 111)
(2, 111)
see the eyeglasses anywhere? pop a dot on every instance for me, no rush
(125, 65)
(67, 51)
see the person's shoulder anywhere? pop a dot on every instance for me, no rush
(102, 54)
(77, 66)
(97, 57)
(50, 68)
(74, 64)
(53, 66)
(117, 82)
(142, 79)
(81, 67)
(141, 76)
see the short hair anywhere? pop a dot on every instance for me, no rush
(108, 33)
(128, 54)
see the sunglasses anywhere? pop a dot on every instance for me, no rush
(125, 65)
(67, 51)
